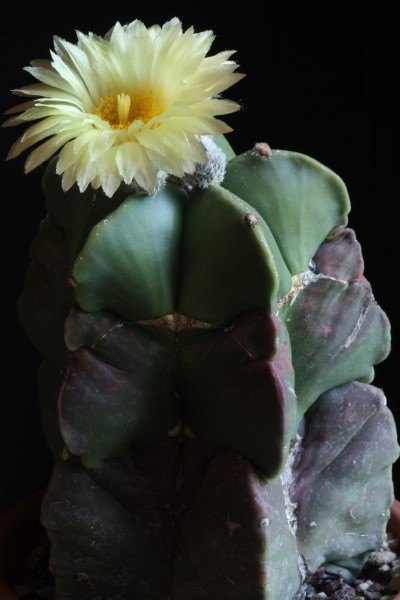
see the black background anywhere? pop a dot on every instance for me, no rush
(318, 81)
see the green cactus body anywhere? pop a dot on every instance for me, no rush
(205, 386)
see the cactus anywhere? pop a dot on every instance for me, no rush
(206, 385)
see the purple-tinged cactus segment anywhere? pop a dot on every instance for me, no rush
(46, 297)
(119, 389)
(50, 379)
(234, 395)
(337, 330)
(343, 479)
(334, 421)
(143, 480)
(341, 257)
(235, 543)
(259, 333)
(195, 457)
(99, 549)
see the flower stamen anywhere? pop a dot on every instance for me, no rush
(120, 110)
(124, 107)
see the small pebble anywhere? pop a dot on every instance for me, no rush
(384, 569)
(362, 587)
(371, 595)
(381, 557)
(345, 592)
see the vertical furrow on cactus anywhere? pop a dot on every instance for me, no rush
(143, 480)
(234, 542)
(237, 388)
(98, 546)
(342, 481)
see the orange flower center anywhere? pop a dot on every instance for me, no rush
(120, 110)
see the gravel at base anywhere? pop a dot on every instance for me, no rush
(379, 580)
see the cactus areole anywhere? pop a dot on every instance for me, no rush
(207, 333)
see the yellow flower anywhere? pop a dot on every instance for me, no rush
(127, 107)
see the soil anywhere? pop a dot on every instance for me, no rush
(379, 580)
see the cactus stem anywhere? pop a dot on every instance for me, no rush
(302, 280)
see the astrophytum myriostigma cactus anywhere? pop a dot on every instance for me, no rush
(205, 388)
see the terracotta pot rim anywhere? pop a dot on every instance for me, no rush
(23, 511)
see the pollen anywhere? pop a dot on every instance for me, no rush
(120, 110)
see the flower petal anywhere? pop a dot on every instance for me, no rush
(76, 106)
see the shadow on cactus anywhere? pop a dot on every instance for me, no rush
(208, 342)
